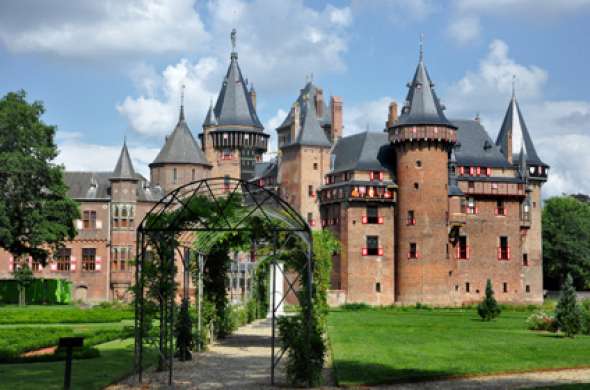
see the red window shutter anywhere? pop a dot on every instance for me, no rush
(472, 171)
(462, 170)
(372, 175)
(365, 219)
(489, 171)
(476, 210)
(380, 220)
(409, 256)
(508, 253)
(413, 221)
(458, 250)
(499, 253)
(417, 254)
(468, 251)
(496, 211)
(478, 171)
(380, 176)
(313, 222)
(364, 251)
(505, 210)
(380, 251)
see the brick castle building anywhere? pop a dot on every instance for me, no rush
(426, 210)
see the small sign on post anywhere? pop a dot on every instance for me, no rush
(69, 343)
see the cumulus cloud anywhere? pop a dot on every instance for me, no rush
(558, 127)
(155, 112)
(370, 115)
(464, 30)
(94, 29)
(76, 155)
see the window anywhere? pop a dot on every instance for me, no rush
(310, 191)
(411, 218)
(174, 175)
(123, 215)
(88, 259)
(376, 175)
(528, 288)
(89, 219)
(35, 266)
(418, 164)
(378, 287)
(471, 186)
(462, 248)
(505, 287)
(471, 207)
(315, 166)
(467, 287)
(413, 253)
(503, 249)
(372, 216)
(226, 154)
(121, 257)
(416, 186)
(226, 183)
(372, 248)
(500, 208)
(63, 259)
(193, 174)
(525, 259)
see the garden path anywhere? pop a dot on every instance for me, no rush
(241, 361)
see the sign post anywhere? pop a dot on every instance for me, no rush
(69, 343)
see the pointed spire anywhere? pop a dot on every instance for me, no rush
(124, 168)
(210, 117)
(422, 106)
(181, 116)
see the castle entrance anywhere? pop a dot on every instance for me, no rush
(181, 235)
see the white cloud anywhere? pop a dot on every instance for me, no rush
(76, 155)
(370, 115)
(339, 16)
(270, 125)
(558, 127)
(464, 30)
(156, 112)
(523, 8)
(94, 29)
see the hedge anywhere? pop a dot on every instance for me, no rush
(40, 291)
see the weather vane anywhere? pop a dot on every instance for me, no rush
(513, 85)
(182, 94)
(421, 46)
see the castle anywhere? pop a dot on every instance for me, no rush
(426, 210)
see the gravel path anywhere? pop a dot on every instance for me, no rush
(242, 361)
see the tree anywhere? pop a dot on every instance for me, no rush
(184, 336)
(488, 309)
(566, 241)
(36, 215)
(567, 312)
(24, 277)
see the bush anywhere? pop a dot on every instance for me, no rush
(540, 320)
(422, 306)
(182, 330)
(355, 306)
(568, 313)
(488, 309)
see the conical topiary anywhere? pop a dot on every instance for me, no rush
(567, 312)
(488, 309)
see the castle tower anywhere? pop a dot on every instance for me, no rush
(423, 138)
(180, 160)
(304, 150)
(233, 137)
(516, 144)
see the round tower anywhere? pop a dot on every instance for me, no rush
(423, 138)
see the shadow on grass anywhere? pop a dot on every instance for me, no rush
(357, 373)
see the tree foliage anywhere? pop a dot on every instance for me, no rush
(567, 312)
(566, 241)
(488, 309)
(36, 215)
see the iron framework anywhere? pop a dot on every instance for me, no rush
(186, 224)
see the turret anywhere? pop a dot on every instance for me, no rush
(423, 139)
(124, 179)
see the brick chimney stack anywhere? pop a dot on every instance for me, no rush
(336, 116)
(253, 96)
(392, 117)
(319, 102)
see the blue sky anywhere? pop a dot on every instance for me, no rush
(114, 68)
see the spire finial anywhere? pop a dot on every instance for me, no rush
(182, 102)
(233, 35)
(421, 46)
(513, 86)
(125, 140)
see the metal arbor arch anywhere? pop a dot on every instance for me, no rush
(175, 217)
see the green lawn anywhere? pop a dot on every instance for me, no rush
(115, 362)
(393, 345)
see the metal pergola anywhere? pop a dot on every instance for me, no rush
(175, 219)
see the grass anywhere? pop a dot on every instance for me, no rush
(115, 363)
(393, 345)
(62, 314)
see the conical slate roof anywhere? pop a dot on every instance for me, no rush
(422, 106)
(210, 118)
(311, 133)
(234, 106)
(124, 168)
(181, 147)
(514, 124)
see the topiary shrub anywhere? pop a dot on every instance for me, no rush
(567, 312)
(488, 309)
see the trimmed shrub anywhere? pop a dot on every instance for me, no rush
(540, 320)
(568, 313)
(488, 309)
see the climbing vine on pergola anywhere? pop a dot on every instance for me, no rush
(191, 217)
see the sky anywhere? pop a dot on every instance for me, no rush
(111, 69)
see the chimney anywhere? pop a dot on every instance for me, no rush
(295, 125)
(253, 96)
(392, 117)
(336, 116)
(319, 102)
